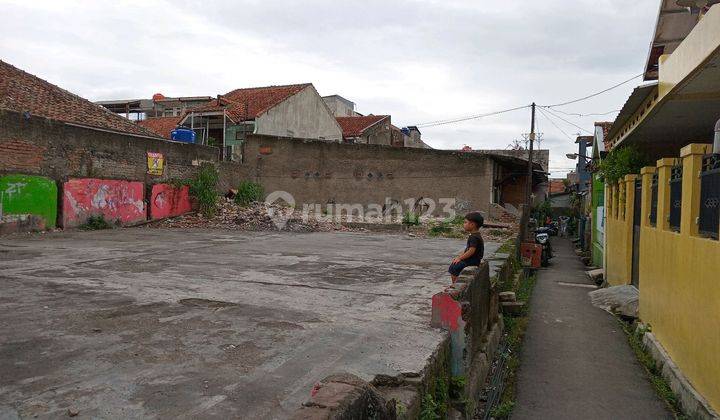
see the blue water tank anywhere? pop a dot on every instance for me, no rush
(184, 135)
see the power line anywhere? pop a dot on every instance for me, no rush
(593, 94)
(593, 114)
(571, 123)
(553, 123)
(472, 117)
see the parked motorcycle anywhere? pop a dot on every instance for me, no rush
(542, 237)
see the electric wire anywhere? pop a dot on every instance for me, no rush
(553, 123)
(566, 121)
(472, 117)
(592, 95)
(592, 114)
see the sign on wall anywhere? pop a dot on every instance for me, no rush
(156, 163)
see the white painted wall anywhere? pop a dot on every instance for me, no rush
(303, 115)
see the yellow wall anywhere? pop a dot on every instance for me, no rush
(618, 231)
(679, 276)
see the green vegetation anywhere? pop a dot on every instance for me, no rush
(440, 229)
(635, 338)
(435, 401)
(411, 219)
(457, 386)
(503, 410)
(458, 220)
(249, 192)
(96, 223)
(620, 162)
(542, 211)
(515, 328)
(204, 189)
(508, 247)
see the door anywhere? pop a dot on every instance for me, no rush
(637, 204)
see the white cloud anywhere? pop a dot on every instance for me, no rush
(418, 60)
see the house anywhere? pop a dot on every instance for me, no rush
(663, 221)
(597, 191)
(340, 107)
(295, 111)
(22, 92)
(370, 129)
(158, 106)
(161, 126)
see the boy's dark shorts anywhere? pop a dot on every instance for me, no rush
(457, 268)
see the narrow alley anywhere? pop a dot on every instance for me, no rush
(576, 361)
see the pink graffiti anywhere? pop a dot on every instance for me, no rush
(169, 201)
(446, 312)
(121, 201)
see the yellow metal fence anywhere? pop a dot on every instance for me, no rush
(679, 272)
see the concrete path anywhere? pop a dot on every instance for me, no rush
(576, 362)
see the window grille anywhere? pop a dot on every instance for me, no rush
(675, 197)
(709, 217)
(653, 200)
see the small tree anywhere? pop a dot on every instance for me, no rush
(622, 161)
(248, 192)
(204, 189)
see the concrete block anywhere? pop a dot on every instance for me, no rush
(512, 308)
(29, 195)
(117, 201)
(169, 201)
(507, 296)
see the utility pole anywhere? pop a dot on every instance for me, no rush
(528, 188)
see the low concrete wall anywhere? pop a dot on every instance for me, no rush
(169, 201)
(469, 311)
(29, 195)
(118, 201)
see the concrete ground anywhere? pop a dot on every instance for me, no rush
(147, 323)
(576, 362)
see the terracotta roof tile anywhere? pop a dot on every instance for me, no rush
(161, 126)
(356, 126)
(23, 92)
(557, 186)
(250, 103)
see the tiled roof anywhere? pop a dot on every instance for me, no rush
(556, 186)
(250, 103)
(23, 92)
(161, 126)
(356, 126)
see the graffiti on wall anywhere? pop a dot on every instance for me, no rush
(29, 195)
(169, 201)
(117, 201)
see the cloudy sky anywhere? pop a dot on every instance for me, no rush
(418, 60)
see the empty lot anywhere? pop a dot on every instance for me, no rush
(203, 323)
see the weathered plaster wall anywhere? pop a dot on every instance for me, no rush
(379, 134)
(316, 172)
(29, 195)
(169, 201)
(121, 202)
(304, 115)
(39, 146)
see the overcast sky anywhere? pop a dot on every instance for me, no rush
(419, 61)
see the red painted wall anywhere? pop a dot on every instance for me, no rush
(169, 201)
(121, 201)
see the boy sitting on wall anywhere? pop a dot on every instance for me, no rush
(475, 248)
